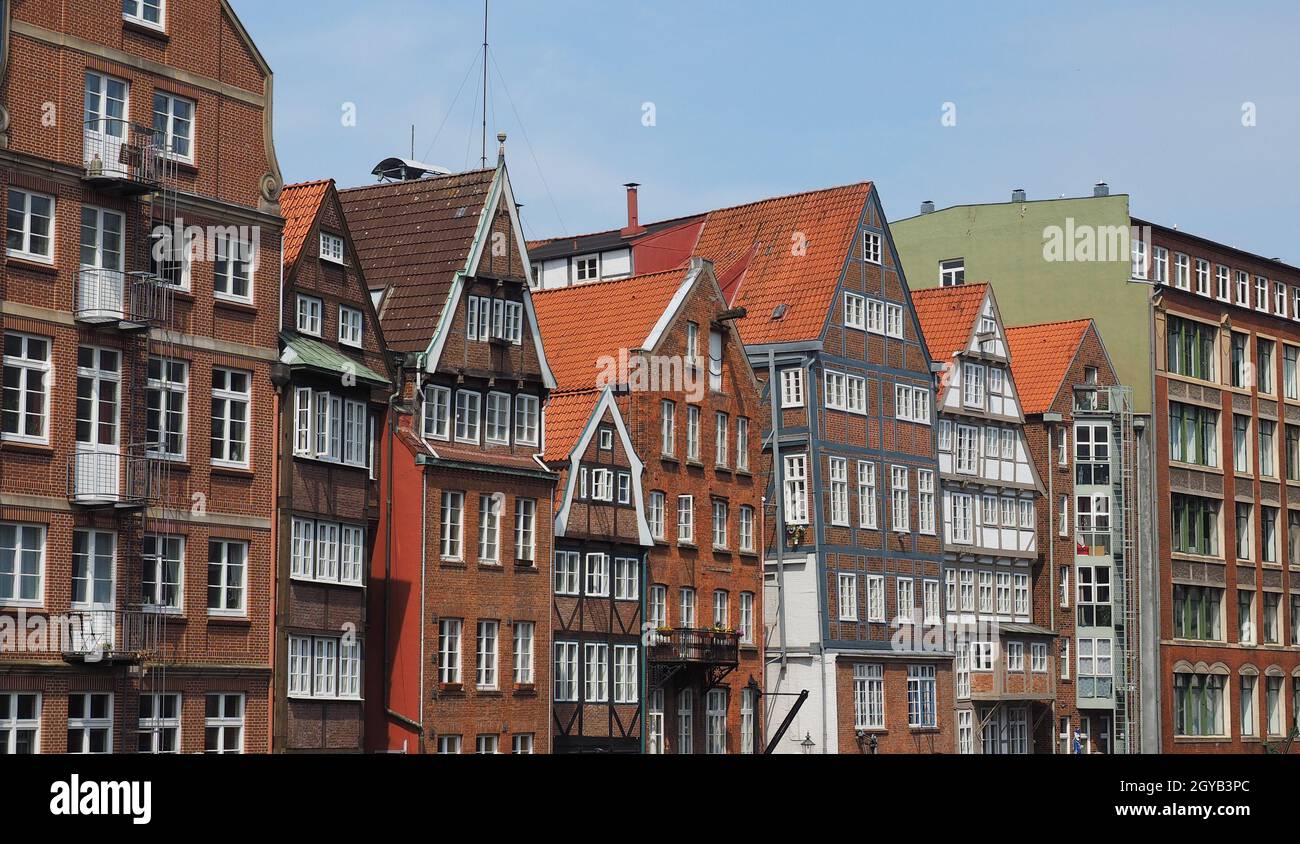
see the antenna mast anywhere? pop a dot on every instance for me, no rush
(485, 82)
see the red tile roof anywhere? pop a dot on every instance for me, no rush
(411, 238)
(299, 204)
(567, 415)
(582, 323)
(1041, 356)
(947, 316)
(751, 247)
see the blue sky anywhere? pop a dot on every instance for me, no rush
(755, 99)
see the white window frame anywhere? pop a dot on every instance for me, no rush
(227, 399)
(310, 315)
(351, 326)
(25, 252)
(169, 129)
(30, 369)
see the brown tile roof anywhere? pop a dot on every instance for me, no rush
(579, 324)
(751, 250)
(411, 238)
(947, 316)
(299, 204)
(1040, 359)
(567, 415)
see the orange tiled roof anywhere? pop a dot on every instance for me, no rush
(580, 324)
(947, 316)
(1040, 359)
(751, 250)
(299, 204)
(567, 415)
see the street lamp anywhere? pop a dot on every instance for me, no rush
(807, 744)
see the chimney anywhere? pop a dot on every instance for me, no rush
(927, 207)
(634, 226)
(1101, 189)
(1018, 195)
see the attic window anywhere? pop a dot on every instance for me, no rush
(331, 248)
(779, 311)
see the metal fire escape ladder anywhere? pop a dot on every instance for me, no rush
(1124, 544)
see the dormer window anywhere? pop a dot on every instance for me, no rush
(145, 12)
(331, 248)
(586, 268)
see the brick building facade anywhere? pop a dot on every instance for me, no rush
(130, 516)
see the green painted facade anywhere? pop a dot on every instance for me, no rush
(1004, 244)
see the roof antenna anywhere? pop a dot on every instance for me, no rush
(485, 83)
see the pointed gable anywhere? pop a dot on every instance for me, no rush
(412, 238)
(300, 204)
(947, 316)
(1041, 356)
(788, 251)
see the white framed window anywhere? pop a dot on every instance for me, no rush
(602, 485)
(597, 581)
(967, 449)
(324, 667)
(668, 428)
(952, 272)
(792, 387)
(309, 315)
(693, 432)
(25, 412)
(854, 311)
(912, 404)
(742, 444)
(655, 514)
(962, 506)
(90, 722)
(906, 590)
(848, 595)
(627, 579)
(657, 606)
(489, 530)
(150, 13)
(1038, 657)
(496, 418)
(839, 479)
(29, 232)
(899, 500)
(449, 633)
(525, 635)
(331, 248)
(525, 530)
(875, 598)
(722, 426)
(795, 483)
(922, 710)
(687, 606)
(452, 525)
(1160, 265)
(720, 525)
(1139, 258)
(1182, 271)
(162, 578)
(485, 655)
(173, 121)
(685, 518)
(894, 320)
(568, 567)
(925, 501)
(436, 413)
(746, 626)
(227, 577)
(1015, 656)
(232, 268)
(967, 590)
(478, 322)
(223, 723)
(654, 724)
(487, 744)
(747, 721)
(746, 528)
(866, 495)
(231, 396)
(721, 608)
(930, 601)
(685, 722)
(875, 316)
(449, 744)
(350, 326)
(972, 385)
(871, 247)
(715, 704)
(869, 696)
(327, 552)
(468, 405)
(586, 268)
(160, 722)
(1203, 277)
(626, 682)
(527, 419)
(596, 672)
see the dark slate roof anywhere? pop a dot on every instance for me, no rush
(411, 238)
(583, 244)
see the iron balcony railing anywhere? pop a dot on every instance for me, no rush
(112, 635)
(133, 300)
(113, 477)
(120, 151)
(695, 646)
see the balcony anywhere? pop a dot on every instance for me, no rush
(112, 636)
(131, 301)
(110, 478)
(715, 653)
(123, 158)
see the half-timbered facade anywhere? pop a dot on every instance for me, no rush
(601, 541)
(328, 502)
(669, 347)
(1004, 685)
(461, 599)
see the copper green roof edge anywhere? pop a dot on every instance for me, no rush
(313, 354)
